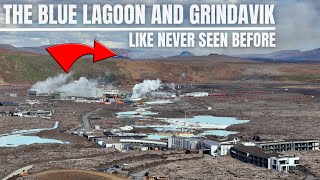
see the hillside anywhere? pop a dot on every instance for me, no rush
(28, 68)
(287, 55)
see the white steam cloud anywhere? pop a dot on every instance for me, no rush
(51, 84)
(141, 89)
(82, 87)
(60, 83)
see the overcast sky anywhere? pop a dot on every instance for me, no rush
(297, 23)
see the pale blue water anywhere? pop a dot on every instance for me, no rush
(216, 120)
(167, 128)
(227, 121)
(210, 132)
(156, 136)
(135, 114)
(218, 133)
(162, 127)
(29, 131)
(18, 138)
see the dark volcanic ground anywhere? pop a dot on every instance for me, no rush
(273, 113)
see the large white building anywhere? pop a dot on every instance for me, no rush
(218, 148)
(283, 163)
(262, 158)
(197, 94)
(290, 145)
(185, 143)
(214, 148)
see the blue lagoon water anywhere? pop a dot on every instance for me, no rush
(218, 133)
(139, 113)
(216, 120)
(18, 138)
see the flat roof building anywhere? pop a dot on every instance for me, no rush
(290, 145)
(262, 158)
(214, 148)
(185, 143)
(218, 148)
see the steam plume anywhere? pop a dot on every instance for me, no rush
(82, 87)
(141, 89)
(51, 84)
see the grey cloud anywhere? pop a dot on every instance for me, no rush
(297, 27)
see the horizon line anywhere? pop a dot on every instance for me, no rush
(138, 29)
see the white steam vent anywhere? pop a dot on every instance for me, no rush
(51, 84)
(141, 89)
(63, 83)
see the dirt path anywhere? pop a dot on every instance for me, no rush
(74, 174)
(17, 172)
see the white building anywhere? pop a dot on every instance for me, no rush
(197, 94)
(214, 148)
(34, 92)
(38, 113)
(111, 92)
(126, 128)
(117, 145)
(95, 92)
(262, 158)
(219, 148)
(185, 143)
(284, 163)
(290, 144)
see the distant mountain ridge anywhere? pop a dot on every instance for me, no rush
(186, 53)
(18, 66)
(42, 50)
(286, 55)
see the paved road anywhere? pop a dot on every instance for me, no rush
(17, 172)
(86, 120)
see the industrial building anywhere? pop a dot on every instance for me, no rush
(197, 94)
(60, 96)
(109, 143)
(47, 114)
(262, 158)
(114, 93)
(289, 145)
(214, 148)
(6, 113)
(33, 92)
(217, 148)
(162, 94)
(9, 95)
(124, 135)
(184, 143)
(151, 144)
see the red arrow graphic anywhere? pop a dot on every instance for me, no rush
(67, 54)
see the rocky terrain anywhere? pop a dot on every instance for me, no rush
(273, 113)
(218, 168)
(310, 161)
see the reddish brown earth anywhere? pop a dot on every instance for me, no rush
(74, 174)
(23, 67)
